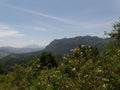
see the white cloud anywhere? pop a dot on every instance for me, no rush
(24, 43)
(7, 31)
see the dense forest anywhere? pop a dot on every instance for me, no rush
(84, 68)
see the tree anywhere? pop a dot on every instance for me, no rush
(1, 68)
(48, 60)
(19, 74)
(115, 34)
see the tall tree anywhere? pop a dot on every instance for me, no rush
(47, 59)
(1, 68)
(115, 34)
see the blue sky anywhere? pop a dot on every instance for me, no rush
(24, 22)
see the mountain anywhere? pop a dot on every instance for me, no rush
(63, 46)
(59, 47)
(3, 54)
(26, 49)
(6, 51)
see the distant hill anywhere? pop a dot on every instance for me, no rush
(26, 49)
(6, 51)
(59, 47)
(3, 54)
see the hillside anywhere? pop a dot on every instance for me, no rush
(6, 51)
(58, 47)
(83, 69)
(3, 54)
(63, 46)
(26, 49)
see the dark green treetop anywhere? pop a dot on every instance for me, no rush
(115, 34)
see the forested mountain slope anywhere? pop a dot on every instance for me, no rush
(59, 47)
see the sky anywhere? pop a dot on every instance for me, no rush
(25, 22)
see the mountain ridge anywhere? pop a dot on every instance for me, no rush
(58, 47)
(70, 43)
(8, 50)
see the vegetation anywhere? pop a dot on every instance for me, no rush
(63, 46)
(85, 68)
(115, 34)
(57, 47)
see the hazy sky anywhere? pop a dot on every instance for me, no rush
(24, 22)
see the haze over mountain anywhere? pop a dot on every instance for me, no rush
(5, 51)
(33, 46)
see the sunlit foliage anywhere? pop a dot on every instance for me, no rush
(83, 69)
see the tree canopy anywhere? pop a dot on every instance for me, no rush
(48, 60)
(115, 34)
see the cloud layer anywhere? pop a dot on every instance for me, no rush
(7, 31)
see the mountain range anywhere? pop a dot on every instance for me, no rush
(5, 51)
(58, 47)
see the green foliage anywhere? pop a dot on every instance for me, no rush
(1, 68)
(85, 52)
(57, 47)
(47, 60)
(83, 69)
(115, 34)
(63, 46)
